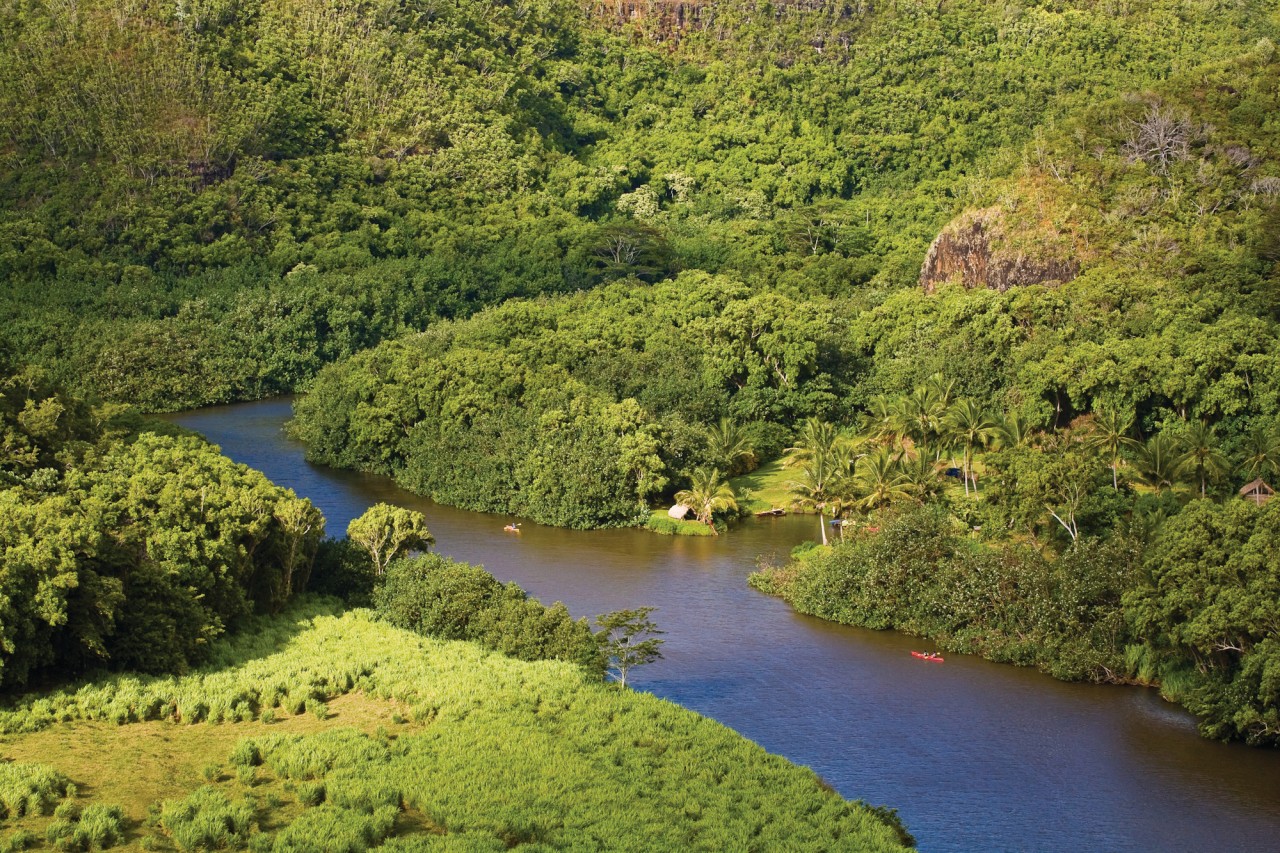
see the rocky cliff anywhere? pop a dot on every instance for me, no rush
(976, 251)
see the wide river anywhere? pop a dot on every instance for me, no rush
(975, 756)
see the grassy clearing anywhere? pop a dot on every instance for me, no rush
(660, 522)
(766, 487)
(353, 734)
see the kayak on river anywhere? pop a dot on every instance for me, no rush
(933, 656)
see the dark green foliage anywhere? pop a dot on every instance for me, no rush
(920, 575)
(571, 411)
(443, 598)
(1207, 613)
(131, 549)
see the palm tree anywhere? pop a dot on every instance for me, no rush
(823, 456)
(1156, 462)
(969, 425)
(708, 493)
(1013, 431)
(1111, 435)
(919, 413)
(920, 477)
(879, 480)
(1261, 453)
(730, 445)
(1202, 455)
(817, 438)
(880, 422)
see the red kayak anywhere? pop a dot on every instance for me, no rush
(933, 656)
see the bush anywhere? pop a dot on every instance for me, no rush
(207, 819)
(439, 597)
(30, 789)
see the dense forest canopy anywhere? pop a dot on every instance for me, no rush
(207, 201)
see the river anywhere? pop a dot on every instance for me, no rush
(974, 755)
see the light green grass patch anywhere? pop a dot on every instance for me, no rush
(660, 522)
(502, 753)
(767, 487)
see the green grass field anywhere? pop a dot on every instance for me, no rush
(329, 731)
(766, 487)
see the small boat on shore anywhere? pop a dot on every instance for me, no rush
(930, 656)
(775, 511)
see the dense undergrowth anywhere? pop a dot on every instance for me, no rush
(492, 753)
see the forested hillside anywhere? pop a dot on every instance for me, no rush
(208, 200)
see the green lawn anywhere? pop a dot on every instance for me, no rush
(766, 487)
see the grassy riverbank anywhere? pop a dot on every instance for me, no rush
(321, 730)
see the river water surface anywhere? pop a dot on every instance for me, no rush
(974, 755)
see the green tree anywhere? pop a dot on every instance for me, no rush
(730, 446)
(1111, 437)
(1156, 462)
(387, 531)
(628, 638)
(1201, 454)
(878, 480)
(708, 494)
(1260, 453)
(969, 425)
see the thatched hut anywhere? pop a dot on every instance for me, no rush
(1257, 491)
(679, 511)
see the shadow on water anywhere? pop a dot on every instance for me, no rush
(974, 755)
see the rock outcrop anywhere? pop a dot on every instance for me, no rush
(976, 251)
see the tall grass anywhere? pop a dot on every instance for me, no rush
(504, 753)
(30, 789)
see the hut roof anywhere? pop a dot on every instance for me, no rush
(1257, 487)
(678, 511)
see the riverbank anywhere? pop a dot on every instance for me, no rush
(334, 726)
(1124, 770)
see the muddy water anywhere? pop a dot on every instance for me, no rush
(975, 756)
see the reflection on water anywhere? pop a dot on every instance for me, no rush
(975, 756)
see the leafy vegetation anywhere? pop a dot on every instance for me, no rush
(130, 549)
(443, 598)
(539, 261)
(492, 752)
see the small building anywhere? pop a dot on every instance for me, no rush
(1257, 491)
(678, 511)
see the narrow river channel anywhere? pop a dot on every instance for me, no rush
(974, 755)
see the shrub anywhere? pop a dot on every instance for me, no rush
(443, 598)
(30, 788)
(328, 829)
(23, 839)
(208, 819)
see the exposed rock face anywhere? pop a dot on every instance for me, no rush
(975, 251)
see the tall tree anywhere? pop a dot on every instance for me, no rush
(1111, 436)
(628, 638)
(1201, 454)
(387, 531)
(1156, 462)
(968, 424)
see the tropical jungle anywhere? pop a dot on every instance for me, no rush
(992, 290)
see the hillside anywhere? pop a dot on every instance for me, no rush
(208, 201)
(320, 731)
